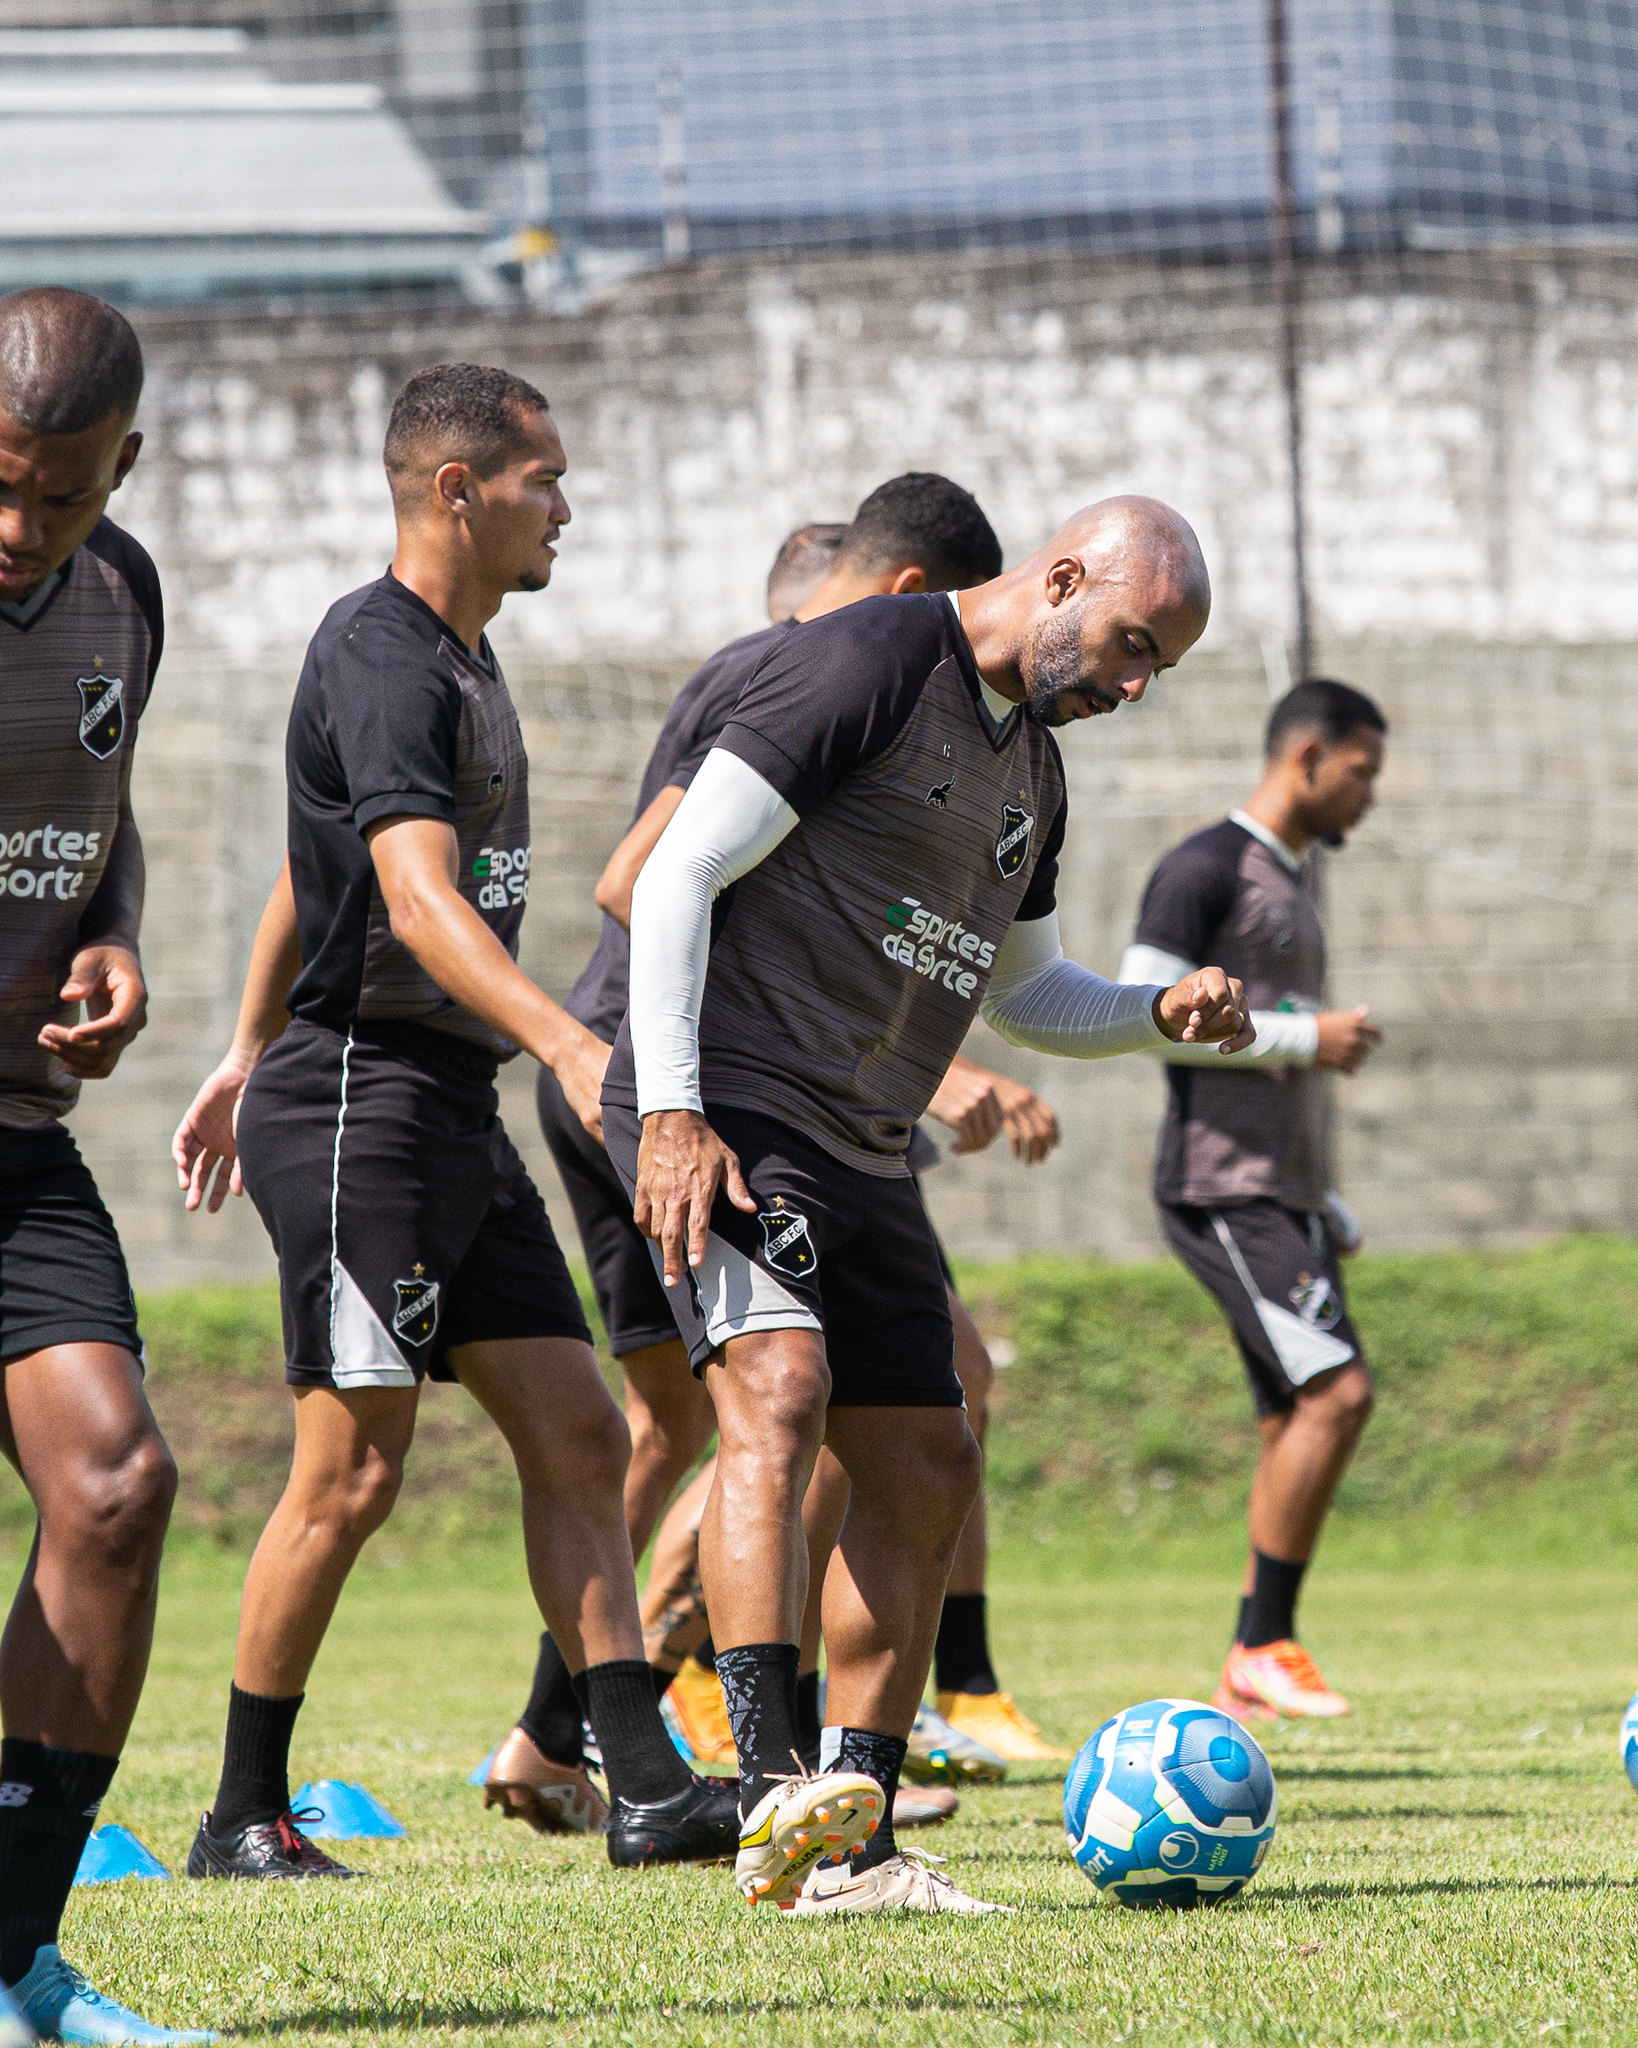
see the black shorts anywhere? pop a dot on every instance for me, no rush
(62, 1273)
(635, 1308)
(832, 1249)
(404, 1222)
(1278, 1277)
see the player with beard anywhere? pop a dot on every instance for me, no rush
(1242, 1176)
(866, 857)
(358, 1109)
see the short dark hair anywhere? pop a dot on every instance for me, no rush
(1336, 711)
(930, 523)
(67, 361)
(804, 560)
(457, 412)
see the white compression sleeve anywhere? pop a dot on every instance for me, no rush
(1285, 1038)
(729, 821)
(1038, 998)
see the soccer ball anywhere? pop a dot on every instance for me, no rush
(1629, 1739)
(1170, 1804)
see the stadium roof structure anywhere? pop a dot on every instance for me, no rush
(160, 163)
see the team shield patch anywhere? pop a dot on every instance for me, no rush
(416, 1317)
(102, 714)
(1012, 842)
(786, 1244)
(1317, 1301)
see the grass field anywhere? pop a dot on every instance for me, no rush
(1456, 1862)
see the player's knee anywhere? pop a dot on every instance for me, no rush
(604, 1447)
(1347, 1401)
(121, 1508)
(364, 1499)
(940, 1481)
(782, 1406)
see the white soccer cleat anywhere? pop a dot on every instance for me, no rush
(795, 1824)
(910, 1882)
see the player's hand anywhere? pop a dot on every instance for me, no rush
(1030, 1123)
(966, 1102)
(579, 1073)
(107, 978)
(205, 1147)
(681, 1163)
(1347, 1038)
(1207, 1007)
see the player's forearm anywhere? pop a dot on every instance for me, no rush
(275, 961)
(1285, 1038)
(1039, 999)
(113, 917)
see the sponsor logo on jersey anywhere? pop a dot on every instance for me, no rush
(939, 795)
(416, 1317)
(786, 1244)
(938, 948)
(65, 856)
(505, 877)
(1316, 1301)
(1012, 841)
(102, 714)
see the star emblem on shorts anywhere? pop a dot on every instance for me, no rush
(418, 1270)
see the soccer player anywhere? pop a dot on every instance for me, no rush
(1243, 1172)
(915, 532)
(383, 991)
(867, 855)
(80, 636)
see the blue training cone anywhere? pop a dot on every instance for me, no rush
(481, 1775)
(346, 1813)
(114, 1852)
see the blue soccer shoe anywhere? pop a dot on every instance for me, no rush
(15, 2031)
(60, 2005)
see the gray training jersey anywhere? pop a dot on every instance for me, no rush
(847, 968)
(76, 665)
(1247, 1132)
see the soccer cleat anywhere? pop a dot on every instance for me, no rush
(1282, 1676)
(555, 1799)
(911, 1881)
(60, 2005)
(941, 1755)
(1227, 1701)
(923, 1806)
(994, 1719)
(274, 1848)
(695, 1696)
(798, 1821)
(15, 2031)
(700, 1825)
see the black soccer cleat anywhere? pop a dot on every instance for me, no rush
(274, 1848)
(700, 1825)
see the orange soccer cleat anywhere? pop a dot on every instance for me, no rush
(696, 1698)
(996, 1720)
(1276, 1679)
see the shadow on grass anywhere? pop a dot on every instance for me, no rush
(1274, 1895)
(1361, 1774)
(1311, 1816)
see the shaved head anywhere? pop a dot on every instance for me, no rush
(67, 361)
(1136, 540)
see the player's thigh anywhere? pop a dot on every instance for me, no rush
(913, 1469)
(889, 1335)
(973, 1365)
(547, 1398)
(1265, 1242)
(84, 1440)
(664, 1400)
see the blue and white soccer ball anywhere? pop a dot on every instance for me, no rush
(1170, 1804)
(1629, 1739)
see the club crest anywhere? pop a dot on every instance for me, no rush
(102, 714)
(1316, 1301)
(1012, 842)
(786, 1244)
(416, 1317)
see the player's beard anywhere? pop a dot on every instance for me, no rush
(1054, 669)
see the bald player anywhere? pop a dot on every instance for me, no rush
(80, 636)
(886, 805)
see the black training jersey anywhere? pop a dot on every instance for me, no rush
(847, 968)
(394, 717)
(77, 662)
(697, 715)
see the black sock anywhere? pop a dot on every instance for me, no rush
(1271, 1611)
(552, 1718)
(1240, 1618)
(706, 1654)
(48, 1805)
(880, 1757)
(961, 1656)
(255, 1785)
(640, 1760)
(759, 1686)
(662, 1680)
(808, 1731)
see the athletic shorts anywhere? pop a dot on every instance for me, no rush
(1277, 1275)
(635, 1308)
(832, 1249)
(62, 1273)
(404, 1222)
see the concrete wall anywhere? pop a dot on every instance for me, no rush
(1476, 564)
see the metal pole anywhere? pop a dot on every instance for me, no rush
(1288, 305)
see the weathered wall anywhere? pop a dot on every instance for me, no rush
(1474, 442)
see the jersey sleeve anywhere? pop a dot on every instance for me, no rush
(1190, 895)
(1041, 896)
(393, 717)
(834, 694)
(113, 545)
